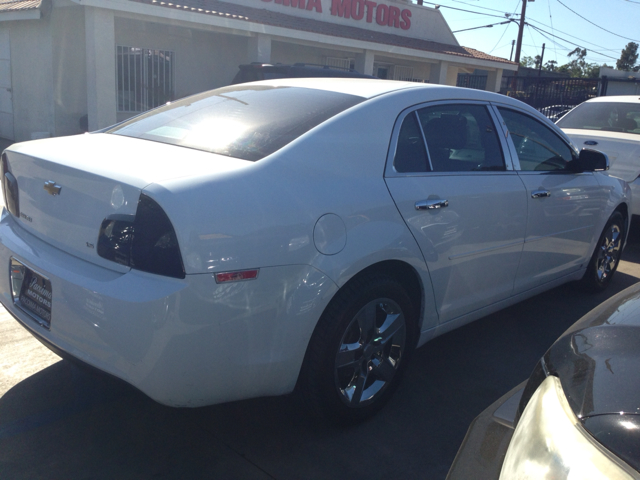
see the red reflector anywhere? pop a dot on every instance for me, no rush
(236, 276)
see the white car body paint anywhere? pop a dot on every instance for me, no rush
(623, 149)
(309, 217)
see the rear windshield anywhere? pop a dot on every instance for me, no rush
(247, 122)
(608, 116)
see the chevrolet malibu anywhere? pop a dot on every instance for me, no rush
(297, 234)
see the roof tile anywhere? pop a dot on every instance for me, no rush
(19, 5)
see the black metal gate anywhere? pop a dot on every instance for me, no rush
(552, 96)
(545, 93)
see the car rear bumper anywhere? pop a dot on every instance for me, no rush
(485, 445)
(184, 342)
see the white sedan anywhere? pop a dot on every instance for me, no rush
(611, 125)
(301, 233)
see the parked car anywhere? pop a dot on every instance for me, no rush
(611, 125)
(253, 72)
(307, 232)
(578, 415)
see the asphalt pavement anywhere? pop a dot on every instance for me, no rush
(61, 421)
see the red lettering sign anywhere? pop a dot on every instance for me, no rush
(405, 24)
(386, 16)
(310, 4)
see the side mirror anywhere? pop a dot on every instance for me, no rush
(592, 161)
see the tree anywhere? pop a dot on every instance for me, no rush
(528, 62)
(538, 59)
(578, 67)
(628, 58)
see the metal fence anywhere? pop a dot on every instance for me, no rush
(145, 78)
(543, 93)
(479, 82)
(549, 95)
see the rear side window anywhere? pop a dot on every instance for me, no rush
(538, 147)
(246, 122)
(459, 138)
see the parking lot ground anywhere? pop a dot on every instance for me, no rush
(61, 421)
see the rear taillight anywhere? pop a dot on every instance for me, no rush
(145, 241)
(10, 188)
(114, 242)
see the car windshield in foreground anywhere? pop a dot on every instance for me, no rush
(607, 116)
(246, 122)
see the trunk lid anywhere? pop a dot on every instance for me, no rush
(67, 186)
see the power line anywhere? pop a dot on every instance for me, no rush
(570, 42)
(595, 25)
(573, 36)
(505, 30)
(483, 26)
(478, 6)
(463, 10)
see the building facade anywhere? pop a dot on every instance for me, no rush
(71, 65)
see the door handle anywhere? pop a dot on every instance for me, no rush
(540, 194)
(431, 204)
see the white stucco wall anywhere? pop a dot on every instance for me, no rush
(31, 76)
(203, 59)
(624, 87)
(285, 52)
(69, 72)
(63, 65)
(6, 90)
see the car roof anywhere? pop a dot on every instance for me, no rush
(616, 99)
(369, 88)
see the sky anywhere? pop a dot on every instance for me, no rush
(603, 27)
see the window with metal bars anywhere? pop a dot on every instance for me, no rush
(145, 78)
(403, 73)
(344, 63)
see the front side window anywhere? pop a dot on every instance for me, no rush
(459, 138)
(537, 146)
(242, 121)
(607, 116)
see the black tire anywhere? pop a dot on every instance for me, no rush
(359, 349)
(606, 257)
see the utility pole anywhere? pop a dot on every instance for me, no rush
(514, 83)
(521, 30)
(541, 60)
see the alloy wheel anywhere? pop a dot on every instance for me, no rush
(370, 352)
(609, 252)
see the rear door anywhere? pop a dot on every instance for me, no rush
(564, 207)
(463, 202)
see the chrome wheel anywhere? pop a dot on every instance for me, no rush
(609, 252)
(370, 352)
(606, 256)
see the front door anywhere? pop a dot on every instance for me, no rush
(564, 207)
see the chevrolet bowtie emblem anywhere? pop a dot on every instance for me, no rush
(52, 188)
